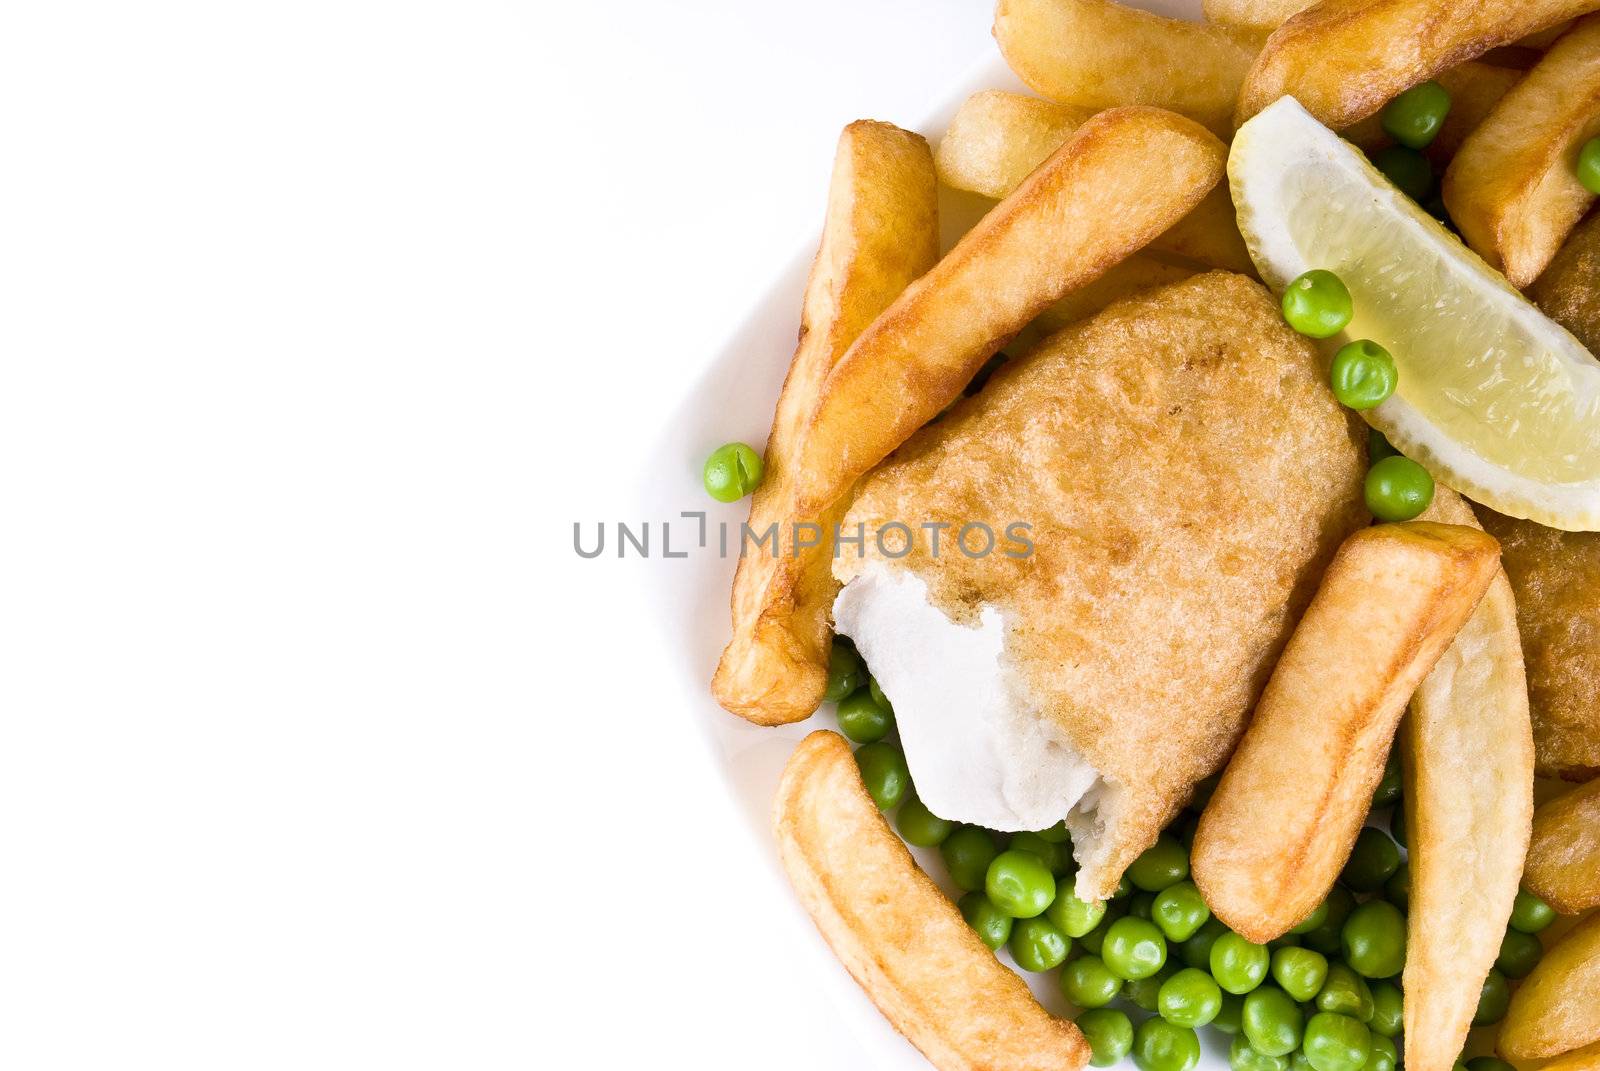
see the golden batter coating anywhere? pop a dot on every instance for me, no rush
(1188, 475)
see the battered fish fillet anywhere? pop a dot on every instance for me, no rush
(1187, 475)
(1568, 291)
(1556, 577)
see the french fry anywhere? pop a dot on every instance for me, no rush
(1544, 38)
(880, 233)
(901, 938)
(1474, 88)
(1293, 797)
(1564, 856)
(1133, 276)
(1584, 1059)
(996, 140)
(1123, 177)
(1099, 54)
(1343, 60)
(1557, 1007)
(1261, 16)
(1568, 291)
(1468, 832)
(1513, 188)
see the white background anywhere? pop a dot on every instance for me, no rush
(321, 322)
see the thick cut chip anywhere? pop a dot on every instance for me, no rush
(1099, 54)
(897, 934)
(1474, 88)
(1262, 16)
(1569, 290)
(881, 233)
(1564, 855)
(1557, 1007)
(1296, 792)
(1513, 188)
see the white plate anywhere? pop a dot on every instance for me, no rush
(733, 399)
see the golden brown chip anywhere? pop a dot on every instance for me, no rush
(1568, 291)
(1557, 1007)
(1564, 855)
(897, 934)
(1262, 16)
(1474, 88)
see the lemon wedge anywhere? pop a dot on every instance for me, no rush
(1495, 399)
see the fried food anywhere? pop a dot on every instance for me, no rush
(1556, 577)
(1262, 16)
(901, 938)
(1564, 855)
(1513, 188)
(1136, 275)
(881, 232)
(996, 140)
(1294, 795)
(1569, 289)
(1557, 1008)
(1474, 88)
(1584, 1059)
(1123, 177)
(1467, 755)
(1099, 54)
(1170, 535)
(1345, 59)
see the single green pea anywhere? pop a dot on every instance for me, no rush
(1134, 948)
(1057, 834)
(862, 719)
(1141, 905)
(1373, 860)
(1109, 1033)
(1589, 165)
(1180, 911)
(1145, 993)
(1378, 448)
(1164, 863)
(1160, 1046)
(1388, 1010)
(1272, 1021)
(1325, 938)
(920, 826)
(1398, 489)
(1415, 116)
(1397, 825)
(1229, 1019)
(1335, 1042)
(1242, 1056)
(1374, 939)
(1020, 884)
(1387, 794)
(1300, 971)
(1058, 857)
(1189, 998)
(1407, 169)
(884, 772)
(1384, 1056)
(877, 695)
(1238, 965)
(1519, 954)
(1345, 993)
(1313, 920)
(1196, 951)
(1072, 916)
(1530, 914)
(1397, 890)
(1488, 1063)
(1317, 304)
(844, 671)
(967, 854)
(732, 471)
(1037, 945)
(993, 926)
(1493, 999)
(1087, 983)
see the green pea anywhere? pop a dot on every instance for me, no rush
(1238, 965)
(1058, 857)
(732, 471)
(1378, 448)
(884, 772)
(1272, 1021)
(1164, 863)
(1196, 950)
(1088, 983)
(1057, 834)
(1387, 794)
(1189, 998)
(1398, 489)
(1094, 941)
(1242, 1056)
(1072, 916)
(1407, 169)
(993, 926)
(1335, 1042)
(1179, 910)
(1374, 939)
(1109, 1033)
(1325, 938)
(844, 671)
(1519, 954)
(1020, 884)
(1589, 165)
(1415, 116)
(1530, 914)
(1388, 1010)
(862, 719)
(1317, 304)
(1300, 971)
(1488, 1063)
(1384, 1056)
(1145, 993)
(967, 854)
(1312, 921)
(1141, 905)
(1397, 825)
(920, 826)
(1037, 945)
(1397, 890)
(1493, 999)
(1134, 948)
(1229, 1018)
(1373, 860)
(1345, 993)
(877, 695)
(1160, 1046)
